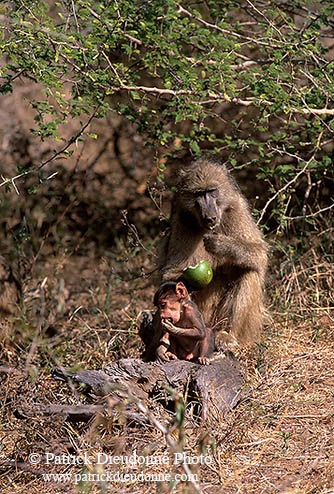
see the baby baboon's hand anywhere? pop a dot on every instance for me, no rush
(167, 324)
(203, 360)
(162, 354)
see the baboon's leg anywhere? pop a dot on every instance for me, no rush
(245, 309)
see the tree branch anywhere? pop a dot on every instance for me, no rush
(225, 31)
(286, 186)
(314, 111)
(220, 97)
(180, 92)
(302, 217)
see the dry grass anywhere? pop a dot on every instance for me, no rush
(279, 440)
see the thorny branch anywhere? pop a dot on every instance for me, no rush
(220, 97)
(282, 189)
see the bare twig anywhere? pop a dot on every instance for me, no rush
(37, 334)
(12, 79)
(314, 111)
(309, 215)
(286, 186)
(220, 97)
(134, 232)
(226, 31)
(180, 92)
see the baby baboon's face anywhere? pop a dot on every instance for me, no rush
(169, 307)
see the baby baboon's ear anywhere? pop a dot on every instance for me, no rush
(181, 290)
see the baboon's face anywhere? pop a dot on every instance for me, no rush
(205, 206)
(169, 307)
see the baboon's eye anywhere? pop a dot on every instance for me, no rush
(162, 306)
(210, 192)
(213, 193)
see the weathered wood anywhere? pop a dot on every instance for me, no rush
(71, 412)
(221, 386)
(75, 413)
(218, 386)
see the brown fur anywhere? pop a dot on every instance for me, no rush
(218, 227)
(184, 333)
(177, 329)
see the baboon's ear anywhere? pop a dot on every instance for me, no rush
(181, 290)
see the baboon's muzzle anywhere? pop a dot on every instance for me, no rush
(210, 223)
(208, 211)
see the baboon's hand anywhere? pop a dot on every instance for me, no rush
(167, 324)
(211, 242)
(217, 243)
(203, 360)
(172, 273)
(162, 354)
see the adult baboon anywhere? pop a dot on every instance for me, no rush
(210, 220)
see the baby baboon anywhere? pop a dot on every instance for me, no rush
(177, 329)
(184, 333)
(210, 220)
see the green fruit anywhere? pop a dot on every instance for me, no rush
(198, 276)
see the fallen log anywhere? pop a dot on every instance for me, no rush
(217, 387)
(73, 413)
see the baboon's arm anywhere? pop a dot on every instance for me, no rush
(197, 333)
(173, 272)
(236, 251)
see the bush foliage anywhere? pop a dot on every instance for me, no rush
(249, 82)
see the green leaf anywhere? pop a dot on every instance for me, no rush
(195, 147)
